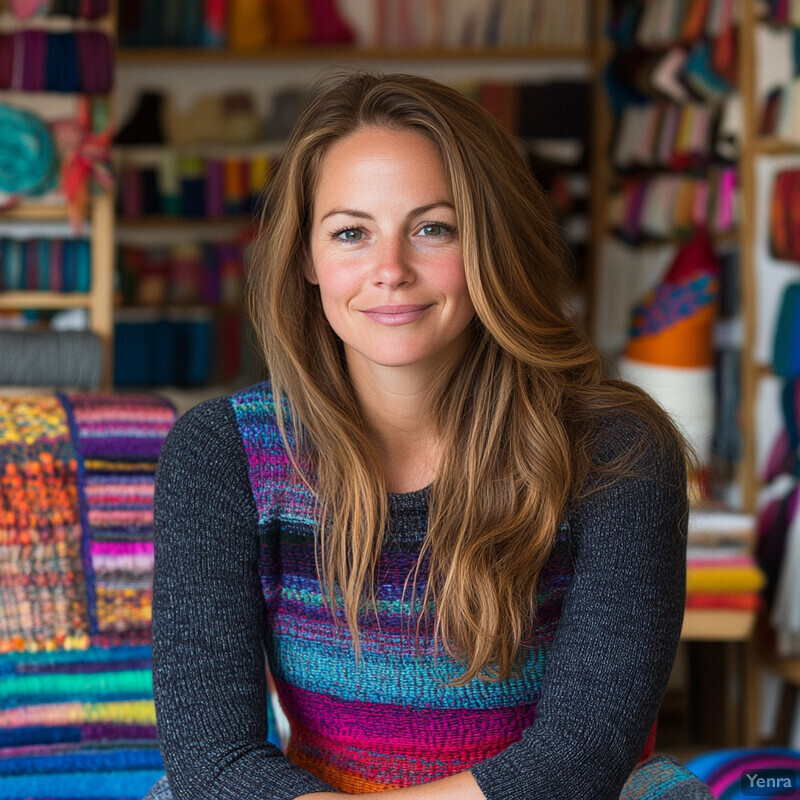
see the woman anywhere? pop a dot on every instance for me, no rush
(461, 548)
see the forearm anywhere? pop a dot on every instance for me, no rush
(461, 786)
(208, 620)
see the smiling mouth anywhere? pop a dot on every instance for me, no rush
(395, 314)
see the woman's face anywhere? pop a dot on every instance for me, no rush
(386, 252)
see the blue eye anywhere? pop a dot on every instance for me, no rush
(436, 229)
(348, 234)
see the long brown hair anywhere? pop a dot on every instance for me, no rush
(515, 417)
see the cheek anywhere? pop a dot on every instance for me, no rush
(337, 288)
(452, 280)
(335, 284)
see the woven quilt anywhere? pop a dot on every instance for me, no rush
(76, 557)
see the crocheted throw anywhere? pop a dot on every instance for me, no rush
(76, 557)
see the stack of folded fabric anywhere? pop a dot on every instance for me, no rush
(722, 575)
(76, 487)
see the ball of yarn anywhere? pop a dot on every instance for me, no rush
(28, 158)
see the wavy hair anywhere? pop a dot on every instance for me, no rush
(515, 417)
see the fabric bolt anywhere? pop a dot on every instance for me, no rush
(32, 265)
(786, 343)
(62, 63)
(291, 22)
(95, 61)
(57, 247)
(18, 62)
(93, 9)
(35, 61)
(6, 59)
(11, 259)
(327, 24)
(392, 719)
(790, 405)
(214, 23)
(249, 25)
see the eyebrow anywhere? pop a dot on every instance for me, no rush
(353, 212)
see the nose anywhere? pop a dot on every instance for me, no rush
(392, 265)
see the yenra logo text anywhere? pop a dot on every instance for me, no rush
(757, 782)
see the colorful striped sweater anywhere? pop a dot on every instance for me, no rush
(235, 578)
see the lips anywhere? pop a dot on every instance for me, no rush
(395, 314)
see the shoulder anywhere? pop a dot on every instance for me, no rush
(634, 500)
(212, 433)
(636, 443)
(217, 419)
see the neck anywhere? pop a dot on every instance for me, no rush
(396, 404)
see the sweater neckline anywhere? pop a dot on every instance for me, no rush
(408, 515)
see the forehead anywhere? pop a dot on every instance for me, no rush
(383, 160)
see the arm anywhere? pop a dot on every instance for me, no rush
(613, 651)
(616, 640)
(208, 620)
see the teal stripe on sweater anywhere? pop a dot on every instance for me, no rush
(336, 673)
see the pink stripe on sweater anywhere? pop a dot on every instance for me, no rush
(412, 730)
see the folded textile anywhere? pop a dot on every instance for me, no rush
(743, 602)
(724, 580)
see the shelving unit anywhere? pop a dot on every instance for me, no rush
(189, 55)
(755, 149)
(99, 300)
(736, 630)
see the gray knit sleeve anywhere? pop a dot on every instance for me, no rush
(208, 620)
(617, 635)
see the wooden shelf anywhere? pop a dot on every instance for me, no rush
(775, 147)
(788, 669)
(270, 147)
(166, 221)
(35, 212)
(45, 300)
(717, 625)
(199, 55)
